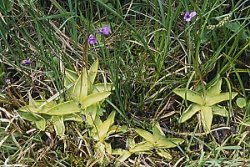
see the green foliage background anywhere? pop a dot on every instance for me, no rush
(150, 52)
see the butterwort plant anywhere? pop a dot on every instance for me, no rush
(207, 104)
(84, 97)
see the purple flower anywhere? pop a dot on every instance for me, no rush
(105, 30)
(188, 16)
(26, 62)
(92, 40)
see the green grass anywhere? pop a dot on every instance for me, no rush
(150, 52)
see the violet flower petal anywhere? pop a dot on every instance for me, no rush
(105, 30)
(92, 40)
(26, 62)
(192, 14)
(188, 16)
